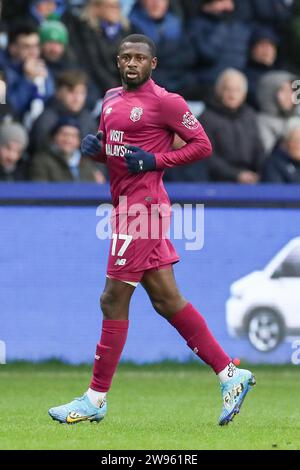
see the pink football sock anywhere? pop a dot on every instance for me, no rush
(193, 328)
(108, 353)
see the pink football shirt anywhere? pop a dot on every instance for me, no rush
(148, 117)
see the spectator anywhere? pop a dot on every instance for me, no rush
(5, 111)
(62, 160)
(29, 82)
(176, 54)
(76, 6)
(267, 13)
(191, 8)
(41, 10)
(275, 99)
(13, 142)
(232, 127)
(54, 45)
(292, 39)
(283, 166)
(221, 42)
(69, 100)
(95, 37)
(3, 30)
(263, 54)
(154, 19)
(194, 173)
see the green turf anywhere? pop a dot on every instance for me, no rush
(169, 406)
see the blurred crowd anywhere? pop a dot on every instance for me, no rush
(238, 59)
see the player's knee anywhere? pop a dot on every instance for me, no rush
(167, 307)
(161, 306)
(112, 306)
(106, 304)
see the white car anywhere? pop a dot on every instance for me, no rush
(265, 305)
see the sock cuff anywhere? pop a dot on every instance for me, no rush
(180, 316)
(115, 324)
(188, 321)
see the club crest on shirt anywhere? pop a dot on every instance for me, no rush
(136, 114)
(189, 121)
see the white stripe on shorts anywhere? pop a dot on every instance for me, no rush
(131, 283)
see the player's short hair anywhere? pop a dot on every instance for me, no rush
(71, 78)
(135, 38)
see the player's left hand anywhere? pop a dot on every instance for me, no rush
(138, 160)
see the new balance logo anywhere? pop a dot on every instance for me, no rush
(97, 357)
(120, 262)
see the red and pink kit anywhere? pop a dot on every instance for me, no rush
(149, 118)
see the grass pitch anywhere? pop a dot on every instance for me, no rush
(166, 406)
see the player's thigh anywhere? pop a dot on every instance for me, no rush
(115, 299)
(163, 291)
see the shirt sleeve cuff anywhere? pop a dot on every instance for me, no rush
(159, 161)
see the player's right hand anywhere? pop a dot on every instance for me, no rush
(91, 145)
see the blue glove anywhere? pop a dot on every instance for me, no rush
(138, 160)
(91, 145)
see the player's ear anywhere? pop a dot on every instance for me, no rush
(154, 63)
(118, 61)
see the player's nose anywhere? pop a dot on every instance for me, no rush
(132, 62)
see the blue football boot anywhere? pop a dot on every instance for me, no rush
(234, 392)
(80, 409)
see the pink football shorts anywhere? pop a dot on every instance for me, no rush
(139, 245)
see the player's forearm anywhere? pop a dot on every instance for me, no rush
(196, 149)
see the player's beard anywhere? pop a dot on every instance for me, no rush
(135, 83)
